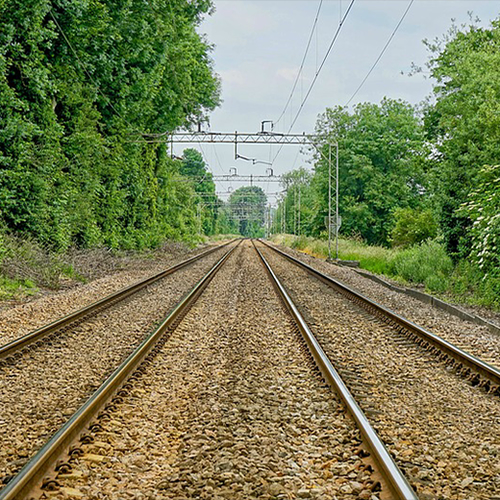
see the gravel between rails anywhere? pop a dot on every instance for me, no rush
(231, 408)
(476, 339)
(21, 319)
(47, 385)
(444, 434)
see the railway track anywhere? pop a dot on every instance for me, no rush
(441, 429)
(218, 406)
(472, 367)
(12, 350)
(49, 374)
(475, 339)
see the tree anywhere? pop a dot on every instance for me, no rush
(413, 226)
(464, 121)
(193, 166)
(81, 82)
(381, 149)
(296, 210)
(483, 211)
(248, 206)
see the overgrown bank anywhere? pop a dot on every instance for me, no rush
(27, 268)
(87, 92)
(426, 264)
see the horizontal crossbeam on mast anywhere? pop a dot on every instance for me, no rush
(242, 138)
(235, 138)
(232, 178)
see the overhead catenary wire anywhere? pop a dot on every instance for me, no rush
(316, 75)
(301, 68)
(318, 71)
(381, 53)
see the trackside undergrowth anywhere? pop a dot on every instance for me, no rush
(424, 265)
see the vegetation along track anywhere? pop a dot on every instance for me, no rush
(229, 405)
(42, 387)
(470, 337)
(442, 431)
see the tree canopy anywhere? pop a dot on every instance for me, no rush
(248, 206)
(81, 82)
(380, 159)
(463, 122)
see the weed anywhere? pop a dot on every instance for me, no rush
(426, 264)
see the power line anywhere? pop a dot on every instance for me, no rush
(381, 53)
(318, 71)
(302, 63)
(332, 43)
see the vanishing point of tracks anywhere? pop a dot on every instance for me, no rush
(223, 398)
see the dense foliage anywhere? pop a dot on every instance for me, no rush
(483, 210)
(380, 170)
(247, 207)
(80, 83)
(463, 123)
(194, 167)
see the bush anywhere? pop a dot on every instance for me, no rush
(483, 210)
(412, 226)
(427, 263)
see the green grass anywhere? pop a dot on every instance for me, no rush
(14, 289)
(426, 264)
(371, 258)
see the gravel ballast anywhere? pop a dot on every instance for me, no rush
(443, 432)
(230, 408)
(43, 388)
(473, 338)
(20, 319)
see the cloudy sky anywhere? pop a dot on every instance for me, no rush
(259, 45)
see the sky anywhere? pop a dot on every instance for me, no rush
(259, 46)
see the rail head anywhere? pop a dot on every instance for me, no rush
(10, 349)
(32, 474)
(466, 359)
(394, 479)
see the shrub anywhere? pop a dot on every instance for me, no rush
(412, 226)
(483, 209)
(427, 263)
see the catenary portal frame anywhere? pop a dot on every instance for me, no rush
(265, 137)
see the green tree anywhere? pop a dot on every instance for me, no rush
(296, 210)
(483, 211)
(248, 206)
(463, 123)
(81, 84)
(381, 157)
(193, 166)
(413, 226)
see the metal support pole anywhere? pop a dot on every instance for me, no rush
(199, 219)
(284, 214)
(298, 226)
(295, 210)
(337, 206)
(329, 201)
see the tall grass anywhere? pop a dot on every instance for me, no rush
(372, 258)
(426, 264)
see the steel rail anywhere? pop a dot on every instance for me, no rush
(469, 362)
(395, 480)
(32, 474)
(9, 351)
